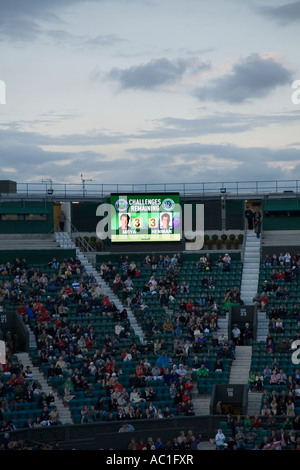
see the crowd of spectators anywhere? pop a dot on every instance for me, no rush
(194, 318)
(45, 298)
(284, 268)
(259, 433)
(61, 342)
(185, 441)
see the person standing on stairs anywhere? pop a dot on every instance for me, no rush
(61, 220)
(247, 335)
(249, 216)
(257, 227)
(236, 332)
(256, 215)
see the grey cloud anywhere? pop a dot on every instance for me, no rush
(63, 37)
(19, 19)
(186, 163)
(59, 166)
(199, 162)
(60, 36)
(253, 77)
(155, 73)
(103, 40)
(168, 128)
(18, 29)
(218, 123)
(283, 14)
(11, 134)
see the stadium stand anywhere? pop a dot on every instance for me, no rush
(88, 366)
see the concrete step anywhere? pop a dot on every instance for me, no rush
(201, 404)
(240, 371)
(254, 401)
(64, 411)
(252, 270)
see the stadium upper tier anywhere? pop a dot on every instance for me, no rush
(87, 189)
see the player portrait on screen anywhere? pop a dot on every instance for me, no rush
(166, 220)
(124, 221)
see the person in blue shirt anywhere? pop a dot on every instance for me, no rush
(163, 360)
(29, 312)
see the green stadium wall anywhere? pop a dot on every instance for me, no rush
(35, 257)
(23, 208)
(281, 214)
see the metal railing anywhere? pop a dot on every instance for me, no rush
(81, 243)
(68, 190)
(67, 239)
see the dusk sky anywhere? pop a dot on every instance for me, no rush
(146, 91)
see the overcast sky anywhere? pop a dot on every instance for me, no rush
(149, 91)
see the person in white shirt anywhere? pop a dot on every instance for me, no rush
(181, 371)
(220, 439)
(235, 333)
(118, 328)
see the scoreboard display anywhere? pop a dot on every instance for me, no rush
(145, 217)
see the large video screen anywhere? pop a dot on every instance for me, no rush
(145, 217)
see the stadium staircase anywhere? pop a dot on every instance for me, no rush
(240, 366)
(239, 375)
(38, 242)
(65, 241)
(223, 325)
(64, 411)
(249, 288)
(201, 404)
(251, 264)
(262, 326)
(254, 402)
(281, 237)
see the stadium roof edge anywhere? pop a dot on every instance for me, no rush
(98, 197)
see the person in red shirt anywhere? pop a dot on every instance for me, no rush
(5, 368)
(118, 387)
(60, 344)
(142, 445)
(21, 310)
(182, 408)
(185, 397)
(263, 302)
(13, 380)
(139, 370)
(280, 275)
(68, 290)
(189, 306)
(106, 301)
(108, 367)
(20, 379)
(123, 353)
(189, 386)
(89, 343)
(256, 422)
(57, 322)
(43, 316)
(283, 438)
